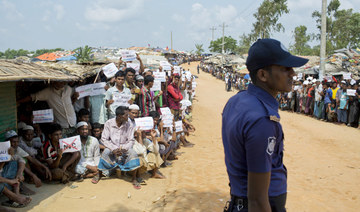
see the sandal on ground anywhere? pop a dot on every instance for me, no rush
(136, 185)
(95, 179)
(14, 204)
(141, 181)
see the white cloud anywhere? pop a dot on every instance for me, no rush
(303, 4)
(177, 18)
(60, 12)
(10, 11)
(113, 10)
(226, 14)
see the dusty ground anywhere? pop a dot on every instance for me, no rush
(322, 161)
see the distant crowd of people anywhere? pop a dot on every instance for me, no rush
(111, 141)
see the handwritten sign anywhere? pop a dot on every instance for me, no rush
(156, 86)
(300, 75)
(167, 120)
(177, 69)
(43, 116)
(128, 55)
(350, 92)
(165, 111)
(328, 78)
(178, 126)
(145, 123)
(91, 89)
(121, 99)
(4, 155)
(347, 76)
(161, 76)
(193, 85)
(72, 144)
(185, 103)
(166, 68)
(352, 82)
(135, 66)
(164, 63)
(110, 70)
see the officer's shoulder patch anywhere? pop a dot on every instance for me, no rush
(274, 118)
(271, 145)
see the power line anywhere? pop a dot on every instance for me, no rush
(212, 29)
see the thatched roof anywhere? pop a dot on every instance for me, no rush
(16, 71)
(81, 71)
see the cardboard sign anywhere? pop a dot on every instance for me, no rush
(177, 69)
(347, 76)
(185, 103)
(135, 66)
(350, 92)
(72, 144)
(156, 86)
(145, 123)
(121, 99)
(165, 111)
(178, 126)
(91, 89)
(352, 82)
(168, 120)
(164, 63)
(110, 70)
(43, 116)
(4, 155)
(161, 76)
(128, 55)
(166, 68)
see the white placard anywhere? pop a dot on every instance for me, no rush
(145, 123)
(160, 76)
(347, 76)
(4, 147)
(43, 116)
(193, 85)
(156, 86)
(178, 126)
(121, 99)
(185, 103)
(91, 89)
(135, 66)
(164, 63)
(72, 144)
(110, 70)
(177, 70)
(168, 120)
(188, 75)
(328, 78)
(128, 55)
(350, 92)
(165, 111)
(300, 75)
(296, 87)
(352, 82)
(97, 88)
(166, 68)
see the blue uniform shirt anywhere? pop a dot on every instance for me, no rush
(253, 140)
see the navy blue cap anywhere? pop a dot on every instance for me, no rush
(266, 52)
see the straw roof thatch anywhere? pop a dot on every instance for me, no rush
(81, 71)
(16, 71)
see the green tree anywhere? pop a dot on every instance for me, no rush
(342, 27)
(244, 43)
(230, 45)
(300, 46)
(83, 54)
(199, 49)
(39, 52)
(267, 18)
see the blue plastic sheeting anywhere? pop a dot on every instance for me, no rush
(247, 76)
(66, 58)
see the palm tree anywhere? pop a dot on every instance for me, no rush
(199, 49)
(83, 54)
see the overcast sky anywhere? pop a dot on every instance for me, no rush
(69, 24)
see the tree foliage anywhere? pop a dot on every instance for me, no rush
(300, 46)
(244, 43)
(230, 45)
(199, 49)
(267, 18)
(83, 54)
(342, 27)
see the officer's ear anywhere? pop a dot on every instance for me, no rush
(263, 75)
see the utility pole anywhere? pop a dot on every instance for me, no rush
(223, 37)
(323, 40)
(171, 41)
(212, 29)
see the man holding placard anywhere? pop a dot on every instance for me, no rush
(118, 95)
(118, 138)
(61, 164)
(146, 97)
(174, 97)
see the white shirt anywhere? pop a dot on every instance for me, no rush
(109, 95)
(60, 102)
(90, 152)
(318, 90)
(35, 144)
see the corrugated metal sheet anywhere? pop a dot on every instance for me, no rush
(7, 107)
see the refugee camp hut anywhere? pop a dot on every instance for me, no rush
(15, 79)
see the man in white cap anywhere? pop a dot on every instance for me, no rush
(133, 114)
(28, 143)
(90, 154)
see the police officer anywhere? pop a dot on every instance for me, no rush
(252, 133)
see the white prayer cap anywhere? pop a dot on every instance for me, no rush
(28, 127)
(21, 125)
(343, 82)
(134, 107)
(10, 134)
(314, 80)
(318, 80)
(80, 124)
(306, 82)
